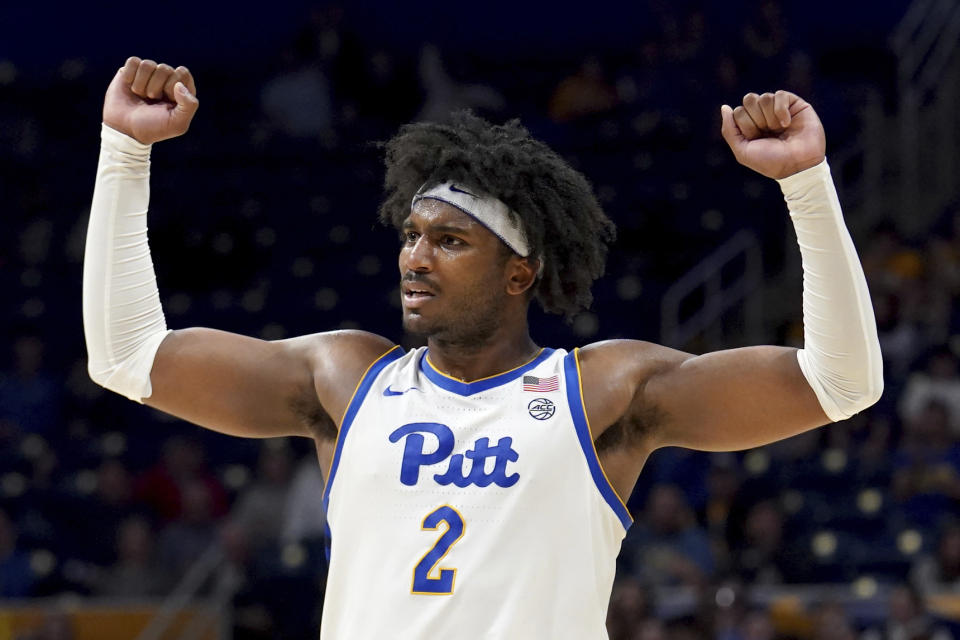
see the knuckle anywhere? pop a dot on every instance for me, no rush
(163, 66)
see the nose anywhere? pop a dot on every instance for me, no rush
(417, 257)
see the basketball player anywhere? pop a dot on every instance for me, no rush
(474, 486)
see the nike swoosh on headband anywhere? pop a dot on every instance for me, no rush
(492, 213)
(457, 189)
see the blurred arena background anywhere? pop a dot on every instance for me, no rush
(118, 522)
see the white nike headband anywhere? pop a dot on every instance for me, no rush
(492, 213)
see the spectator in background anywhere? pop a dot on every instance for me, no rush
(926, 477)
(723, 483)
(889, 263)
(317, 71)
(765, 34)
(29, 397)
(945, 256)
(137, 572)
(444, 95)
(386, 92)
(303, 515)
(666, 547)
(830, 622)
(631, 607)
(724, 609)
(650, 629)
(585, 93)
(907, 620)
(258, 512)
(297, 100)
(941, 570)
(684, 36)
(900, 336)
(183, 541)
(756, 625)
(761, 556)
(182, 464)
(96, 518)
(873, 459)
(16, 576)
(940, 382)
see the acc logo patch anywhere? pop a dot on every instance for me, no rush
(541, 408)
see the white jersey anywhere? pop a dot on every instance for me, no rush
(469, 510)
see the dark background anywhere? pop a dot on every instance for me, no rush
(263, 222)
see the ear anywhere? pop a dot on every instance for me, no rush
(521, 274)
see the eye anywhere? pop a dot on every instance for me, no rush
(408, 237)
(452, 241)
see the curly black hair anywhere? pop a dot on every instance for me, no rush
(561, 217)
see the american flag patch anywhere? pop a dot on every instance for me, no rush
(533, 383)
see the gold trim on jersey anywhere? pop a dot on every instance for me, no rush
(333, 455)
(447, 375)
(576, 359)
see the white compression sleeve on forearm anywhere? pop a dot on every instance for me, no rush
(841, 355)
(122, 317)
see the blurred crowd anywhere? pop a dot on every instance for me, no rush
(263, 223)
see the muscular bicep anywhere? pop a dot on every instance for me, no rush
(731, 400)
(254, 388)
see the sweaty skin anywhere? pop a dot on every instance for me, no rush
(459, 287)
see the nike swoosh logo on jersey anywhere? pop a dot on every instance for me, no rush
(456, 189)
(390, 392)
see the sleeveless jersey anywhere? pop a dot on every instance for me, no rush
(469, 510)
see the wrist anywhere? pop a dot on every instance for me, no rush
(115, 140)
(800, 181)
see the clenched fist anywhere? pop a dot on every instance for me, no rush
(149, 101)
(775, 134)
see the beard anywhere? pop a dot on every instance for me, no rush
(468, 321)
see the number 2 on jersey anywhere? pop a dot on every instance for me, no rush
(442, 584)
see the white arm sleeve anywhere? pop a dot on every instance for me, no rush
(122, 318)
(841, 355)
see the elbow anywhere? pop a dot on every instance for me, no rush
(97, 374)
(869, 391)
(115, 379)
(875, 387)
(103, 375)
(843, 393)
(873, 380)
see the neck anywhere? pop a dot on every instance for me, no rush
(505, 349)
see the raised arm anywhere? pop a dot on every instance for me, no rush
(742, 398)
(227, 382)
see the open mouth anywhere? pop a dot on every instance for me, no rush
(414, 294)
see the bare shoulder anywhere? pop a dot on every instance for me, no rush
(630, 357)
(614, 374)
(338, 360)
(347, 347)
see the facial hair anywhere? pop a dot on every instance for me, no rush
(469, 322)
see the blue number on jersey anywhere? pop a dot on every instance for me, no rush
(443, 584)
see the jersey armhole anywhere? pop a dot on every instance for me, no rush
(356, 400)
(574, 388)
